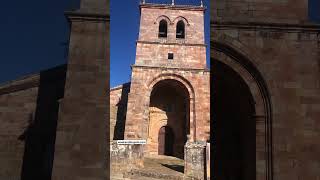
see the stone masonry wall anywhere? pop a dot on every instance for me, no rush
(187, 68)
(185, 56)
(152, 15)
(81, 150)
(118, 110)
(17, 110)
(28, 113)
(288, 59)
(125, 157)
(282, 11)
(115, 95)
(188, 52)
(139, 98)
(289, 63)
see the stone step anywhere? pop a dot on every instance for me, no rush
(151, 174)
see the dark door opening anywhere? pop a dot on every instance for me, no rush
(166, 140)
(234, 128)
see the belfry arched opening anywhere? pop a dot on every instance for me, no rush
(234, 127)
(168, 118)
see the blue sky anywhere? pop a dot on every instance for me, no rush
(124, 28)
(34, 36)
(314, 10)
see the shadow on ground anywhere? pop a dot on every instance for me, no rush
(178, 168)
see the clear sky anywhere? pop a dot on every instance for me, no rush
(124, 28)
(314, 10)
(34, 36)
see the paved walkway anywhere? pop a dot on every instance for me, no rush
(157, 167)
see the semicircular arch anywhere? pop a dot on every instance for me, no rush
(246, 68)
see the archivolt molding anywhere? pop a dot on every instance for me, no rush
(163, 17)
(190, 89)
(185, 20)
(172, 76)
(227, 50)
(222, 38)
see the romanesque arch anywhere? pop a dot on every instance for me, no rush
(185, 20)
(226, 53)
(189, 91)
(163, 17)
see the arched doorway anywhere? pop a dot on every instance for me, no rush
(165, 141)
(168, 118)
(234, 128)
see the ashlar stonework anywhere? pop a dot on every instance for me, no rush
(265, 69)
(168, 98)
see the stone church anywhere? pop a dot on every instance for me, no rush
(168, 98)
(264, 90)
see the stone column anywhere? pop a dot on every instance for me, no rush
(195, 159)
(82, 136)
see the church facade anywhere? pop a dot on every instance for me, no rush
(265, 88)
(168, 98)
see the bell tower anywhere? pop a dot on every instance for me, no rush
(170, 80)
(171, 36)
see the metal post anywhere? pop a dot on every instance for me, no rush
(201, 3)
(172, 3)
(143, 1)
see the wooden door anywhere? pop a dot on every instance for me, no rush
(165, 141)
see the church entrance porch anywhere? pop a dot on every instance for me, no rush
(168, 119)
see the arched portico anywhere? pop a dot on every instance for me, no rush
(191, 95)
(171, 103)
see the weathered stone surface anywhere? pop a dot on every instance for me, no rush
(281, 11)
(118, 110)
(17, 110)
(195, 160)
(189, 52)
(95, 7)
(141, 87)
(165, 93)
(28, 114)
(125, 157)
(77, 94)
(83, 128)
(280, 43)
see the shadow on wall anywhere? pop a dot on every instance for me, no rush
(118, 133)
(39, 136)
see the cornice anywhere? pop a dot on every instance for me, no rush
(120, 86)
(265, 26)
(20, 84)
(171, 68)
(171, 43)
(34, 80)
(84, 16)
(174, 7)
